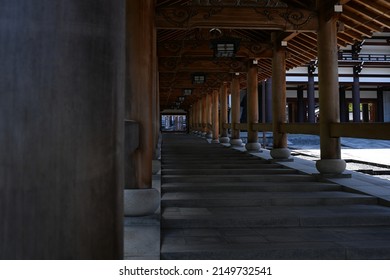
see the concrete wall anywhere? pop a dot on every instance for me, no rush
(61, 129)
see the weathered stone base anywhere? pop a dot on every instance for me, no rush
(280, 153)
(253, 147)
(330, 166)
(236, 142)
(141, 202)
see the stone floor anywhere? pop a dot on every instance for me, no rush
(223, 203)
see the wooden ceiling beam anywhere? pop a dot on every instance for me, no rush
(381, 7)
(369, 15)
(356, 31)
(192, 48)
(189, 17)
(358, 20)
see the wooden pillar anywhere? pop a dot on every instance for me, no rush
(62, 88)
(195, 117)
(215, 116)
(156, 103)
(209, 115)
(204, 115)
(252, 108)
(300, 105)
(379, 105)
(310, 95)
(356, 97)
(330, 162)
(199, 113)
(191, 119)
(140, 92)
(344, 114)
(366, 115)
(280, 150)
(268, 100)
(224, 113)
(235, 93)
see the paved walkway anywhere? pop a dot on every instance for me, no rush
(223, 203)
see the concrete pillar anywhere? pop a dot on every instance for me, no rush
(235, 93)
(300, 105)
(379, 106)
(279, 150)
(356, 97)
(330, 162)
(268, 100)
(215, 116)
(253, 144)
(310, 98)
(62, 129)
(224, 113)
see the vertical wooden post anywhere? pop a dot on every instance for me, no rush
(356, 97)
(215, 116)
(224, 113)
(209, 115)
(310, 95)
(252, 108)
(330, 162)
(280, 150)
(268, 100)
(235, 92)
(204, 115)
(300, 105)
(379, 105)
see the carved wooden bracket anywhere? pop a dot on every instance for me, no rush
(266, 18)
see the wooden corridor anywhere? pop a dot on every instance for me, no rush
(220, 203)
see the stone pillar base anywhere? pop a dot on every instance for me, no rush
(253, 147)
(203, 134)
(280, 153)
(236, 142)
(141, 202)
(224, 139)
(215, 141)
(331, 166)
(209, 135)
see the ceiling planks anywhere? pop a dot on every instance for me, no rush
(183, 38)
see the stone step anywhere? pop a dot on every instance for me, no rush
(240, 172)
(230, 199)
(237, 178)
(177, 153)
(250, 186)
(236, 160)
(223, 165)
(220, 203)
(275, 216)
(277, 243)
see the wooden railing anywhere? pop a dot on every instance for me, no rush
(354, 130)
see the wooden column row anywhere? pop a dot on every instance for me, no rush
(330, 162)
